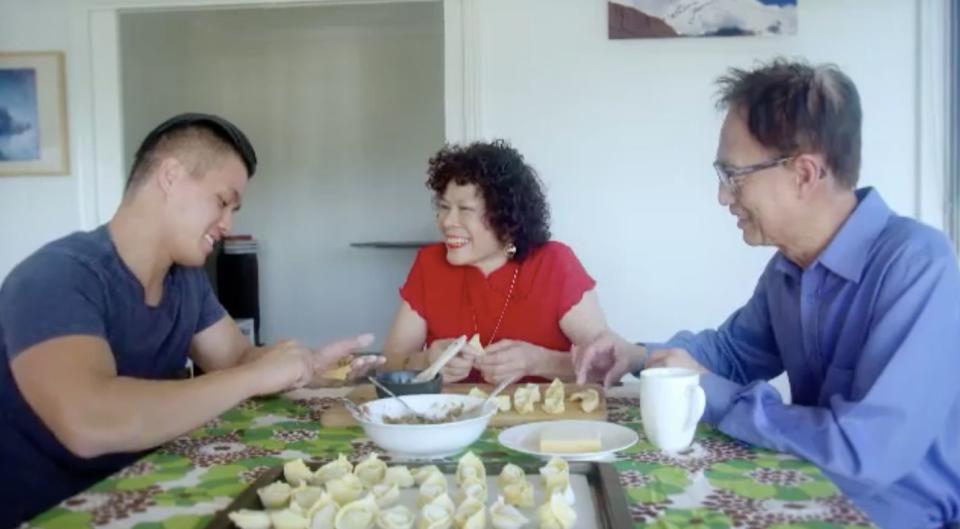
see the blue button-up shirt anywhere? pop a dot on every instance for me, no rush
(869, 335)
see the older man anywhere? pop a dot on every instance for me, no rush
(860, 306)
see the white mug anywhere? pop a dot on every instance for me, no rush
(671, 404)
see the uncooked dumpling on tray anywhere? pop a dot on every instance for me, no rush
(502, 401)
(553, 398)
(337, 468)
(525, 397)
(511, 473)
(503, 516)
(470, 467)
(371, 470)
(247, 519)
(471, 514)
(275, 495)
(296, 472)
(589, 399)
(396, 517)
(519, 493)
(556, 513)
(400, 475)
(345, 489)
(358, 514)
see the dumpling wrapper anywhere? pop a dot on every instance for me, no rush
(249, 519)
(386, 494)
(358, 514)
(556, 514)
(323, 513)
(422, 473)
(287, 519)
(346, 489)
(471, 514)
(503, 516)
(511, 473)
(476, 489)
(589, 399)
(396, 517)
(400, 475)
(371, 470)
(296, 472)
(305, 497)
(553, 400)
(429, 491)
(275, 495)
(470, 467)
(475, 343)
(434, 517)
(519, 493)
(337, 468)
(337, 373)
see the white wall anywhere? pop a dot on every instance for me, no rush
(36, 209)
(623, 132)
(343, 105)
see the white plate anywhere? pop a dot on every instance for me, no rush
(526, 438)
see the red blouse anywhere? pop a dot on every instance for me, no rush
(458, 300)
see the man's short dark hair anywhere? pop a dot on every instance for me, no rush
(794, 108)
(201, 138)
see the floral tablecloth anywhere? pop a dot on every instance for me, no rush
(717, 483)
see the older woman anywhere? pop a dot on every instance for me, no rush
(496, 274)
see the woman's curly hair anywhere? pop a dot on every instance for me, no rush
(516, 207)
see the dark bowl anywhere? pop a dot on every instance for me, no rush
(399, 383)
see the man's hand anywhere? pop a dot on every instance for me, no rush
(510, 358)
(674, 358)
(459, 366)
(283, 366)
(606, 358)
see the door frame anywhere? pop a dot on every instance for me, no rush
(96, 90)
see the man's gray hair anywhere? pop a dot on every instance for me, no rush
(794, 108)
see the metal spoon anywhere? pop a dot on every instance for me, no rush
(358, 412)
(386, 390)
(475, 411)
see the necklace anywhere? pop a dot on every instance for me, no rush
(506, 302)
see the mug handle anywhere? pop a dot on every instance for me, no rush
(698, 403)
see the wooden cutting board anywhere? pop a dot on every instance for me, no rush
(339, 416)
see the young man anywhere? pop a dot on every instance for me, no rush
(860, 306)
(94, 327)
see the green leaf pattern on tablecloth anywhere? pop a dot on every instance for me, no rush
(718, 484)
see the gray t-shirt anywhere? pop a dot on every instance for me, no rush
(78, 285)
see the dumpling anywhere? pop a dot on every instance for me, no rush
(471, 514)
(421, 474)
(346, 489)
(589, 399)
(429, 491)
(287, 519)
(434, 517)
(371, 470)
(470, 467)
(476, 489)
(396, 517)
(444, 501)
(503, 516)
(475, 343)
(337, 468)
(519, 493)
(275, 495)
(248, 519)
(560, 483)
(400, 475)
(386, 494)
(296, 472)
(556, 466)
(525, 397)
(556, 514)
(305, 497)
(511, 473)
(477, 392)
(323, 513)
(503, 402)
(358, 514)
(554, 397)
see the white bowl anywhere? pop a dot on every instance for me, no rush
(424, 441)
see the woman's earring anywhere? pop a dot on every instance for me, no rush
(511, 250)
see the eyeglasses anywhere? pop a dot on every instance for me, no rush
(728, 173)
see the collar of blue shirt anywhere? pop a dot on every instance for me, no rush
(848, 252)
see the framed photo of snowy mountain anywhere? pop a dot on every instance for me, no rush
(33, 116)
(640, 19)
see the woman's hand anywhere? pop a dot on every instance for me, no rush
(459, 366)
(509, 358)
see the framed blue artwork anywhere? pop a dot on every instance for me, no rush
(33, 115)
